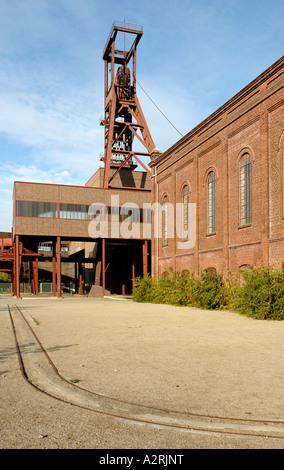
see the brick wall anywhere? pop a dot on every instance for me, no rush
(124, 178)
(251, 122)
(44, 226)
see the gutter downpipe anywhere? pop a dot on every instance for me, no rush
(156, 153)
(157, 222)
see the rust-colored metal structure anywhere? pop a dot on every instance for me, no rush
(124, 119)
(12, 256)
(59, 213)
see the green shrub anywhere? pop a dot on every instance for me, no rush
(209, 292)
(183, 289)
(162, 292)
(261, 294)
(4, 277)
(230, 285)
(256, 292)
(143, 289)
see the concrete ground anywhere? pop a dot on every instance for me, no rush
(179, 359)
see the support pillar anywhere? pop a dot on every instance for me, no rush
(80, 280)
(104, 265)
(36, 280)
(31, 277)
(35, 276)
(133, 266)
(13, 276)
(145, 257)
(58, 263)
(76, 276)
(17, 268)
(54, 269)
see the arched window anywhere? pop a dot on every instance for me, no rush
(185, 272)
(211, 270)
(245, 190)
(165, 220)
(185, 197)
(242, 269)
(211, 202)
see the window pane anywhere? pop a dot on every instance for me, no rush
(211, 204)
(185, 212)
(165, 221)
(245, 190)
(25, 208)
(34, 212)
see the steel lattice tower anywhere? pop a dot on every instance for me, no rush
(124, 119)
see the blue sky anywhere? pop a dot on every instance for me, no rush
(192, 58)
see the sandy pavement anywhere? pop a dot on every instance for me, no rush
(171, 358)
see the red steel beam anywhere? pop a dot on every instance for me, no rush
(58, 262)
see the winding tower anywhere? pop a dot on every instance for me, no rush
(124, 121)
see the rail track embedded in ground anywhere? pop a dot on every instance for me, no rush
(41, 373)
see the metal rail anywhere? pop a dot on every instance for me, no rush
(192, 422)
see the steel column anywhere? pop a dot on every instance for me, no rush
(104, 265)
(76, 276)
(54, 269)
(133, 266)
(17, 267)
(35, 276)
(80, 280)
(58, 262)
(145, 257)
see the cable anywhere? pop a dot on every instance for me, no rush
(158, 108)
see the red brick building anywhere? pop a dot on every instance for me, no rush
(108, 253)
(231, 167)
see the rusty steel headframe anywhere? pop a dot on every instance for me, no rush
(124, 119)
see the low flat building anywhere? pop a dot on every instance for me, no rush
(107, 230)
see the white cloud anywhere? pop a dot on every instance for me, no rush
(58, 124)
(32, 173)
(37, 121)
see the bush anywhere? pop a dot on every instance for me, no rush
(209, 291)
(143, 289)
(181, 289)
(4, 277)
(260, 294)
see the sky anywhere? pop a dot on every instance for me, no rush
(194, 55)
